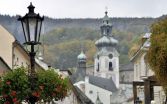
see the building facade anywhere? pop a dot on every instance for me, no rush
(14, 54)
(142, 71)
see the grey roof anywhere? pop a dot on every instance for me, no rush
(104, 83)
(126, 67)
(82, 97)
(144, 47)
(106, 41)
(118, 97)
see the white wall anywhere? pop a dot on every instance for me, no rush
(104, 95)
(104, 68)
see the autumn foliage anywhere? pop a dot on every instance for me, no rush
(15, 87)
(157, 54)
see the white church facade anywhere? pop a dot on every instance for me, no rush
(106, 63)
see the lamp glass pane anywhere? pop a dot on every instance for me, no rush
(39, 23)
(32, 26)
(25, 29)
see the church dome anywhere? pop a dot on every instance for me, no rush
(113, 41)
(81, 56)
(105, 41)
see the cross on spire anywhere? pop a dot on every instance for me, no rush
(106, 8)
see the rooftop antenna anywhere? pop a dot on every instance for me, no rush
(106, 10)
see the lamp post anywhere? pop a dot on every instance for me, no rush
(31, 24)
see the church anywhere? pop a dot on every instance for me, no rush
(103, 83)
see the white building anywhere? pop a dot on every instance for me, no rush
(106, 63)
(142, 70)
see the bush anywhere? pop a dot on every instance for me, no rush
(15, 86)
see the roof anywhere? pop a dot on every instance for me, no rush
(41, 64)
(144, 46)
(104, 83)
(1, 59)
(147, 35)
(106, 41)
(81, 56)
(118, 97)
(82, 97)
(127, 67)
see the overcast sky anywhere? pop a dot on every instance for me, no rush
(87, 8)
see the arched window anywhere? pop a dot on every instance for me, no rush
(110, 66)
(107, 22)
(108, 31)
(98, 67)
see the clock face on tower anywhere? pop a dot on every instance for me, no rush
(110, 56)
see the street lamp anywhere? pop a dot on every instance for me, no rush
(138, 101)
(31, 24)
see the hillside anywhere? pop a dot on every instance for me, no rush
(63, 38)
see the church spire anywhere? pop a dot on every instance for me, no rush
(106, 26)
(98, 101)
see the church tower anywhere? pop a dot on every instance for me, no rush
(81, 70)
(106, 62)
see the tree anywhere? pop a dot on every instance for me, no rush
(157, 53)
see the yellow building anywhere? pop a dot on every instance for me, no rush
(13, 54)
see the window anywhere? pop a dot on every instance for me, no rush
(107, 22)
(98, 67)
(13, 56)
(108, 31)
(110, 66)
(90, 91)
(110, 56)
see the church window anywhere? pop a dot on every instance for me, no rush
(110, 66)
(108, 31)
(98, 67)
